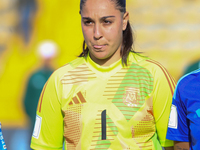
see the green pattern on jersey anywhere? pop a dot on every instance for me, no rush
(105, 144)
(138, 78)
(111, 125)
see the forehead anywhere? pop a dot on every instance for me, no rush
(104, 7)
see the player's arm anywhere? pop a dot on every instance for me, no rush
(169, 148)
(164, 86)
(181, 145)
(178, 129)
(48, 131)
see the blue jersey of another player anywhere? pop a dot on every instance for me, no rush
(184, 122)
(2, 143)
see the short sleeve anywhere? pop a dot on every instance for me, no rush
(48, 130)
(164, 86)
(178, 124)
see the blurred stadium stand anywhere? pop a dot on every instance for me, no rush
(165, 30)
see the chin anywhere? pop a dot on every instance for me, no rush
(101, 56)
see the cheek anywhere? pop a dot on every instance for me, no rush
(115, 33)
(86, 33)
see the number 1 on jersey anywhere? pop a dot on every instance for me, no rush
(103, 125)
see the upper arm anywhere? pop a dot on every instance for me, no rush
(178, 123)
(48, 130)
(169, 148)
(181, 145)
(164, 86)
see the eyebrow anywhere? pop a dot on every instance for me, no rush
(88, 18)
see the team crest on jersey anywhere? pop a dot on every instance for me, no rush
(131, 97)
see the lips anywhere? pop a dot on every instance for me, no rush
(99, 46)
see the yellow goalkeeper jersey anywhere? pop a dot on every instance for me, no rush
(91, 107)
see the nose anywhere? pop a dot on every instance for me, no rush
(97, 32)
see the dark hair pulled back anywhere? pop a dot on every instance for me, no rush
(127, 43)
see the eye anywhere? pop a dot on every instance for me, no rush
(88, 22)
(107, 22)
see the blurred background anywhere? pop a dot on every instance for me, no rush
(167, 31)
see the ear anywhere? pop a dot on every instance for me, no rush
(125, 20)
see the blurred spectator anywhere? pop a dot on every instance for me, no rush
(47, 51)
(194, 66)
(27, 10)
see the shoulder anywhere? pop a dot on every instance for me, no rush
(154, 67)
(60, 72)
(159, 74)
(189, 81)
(188, 88)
